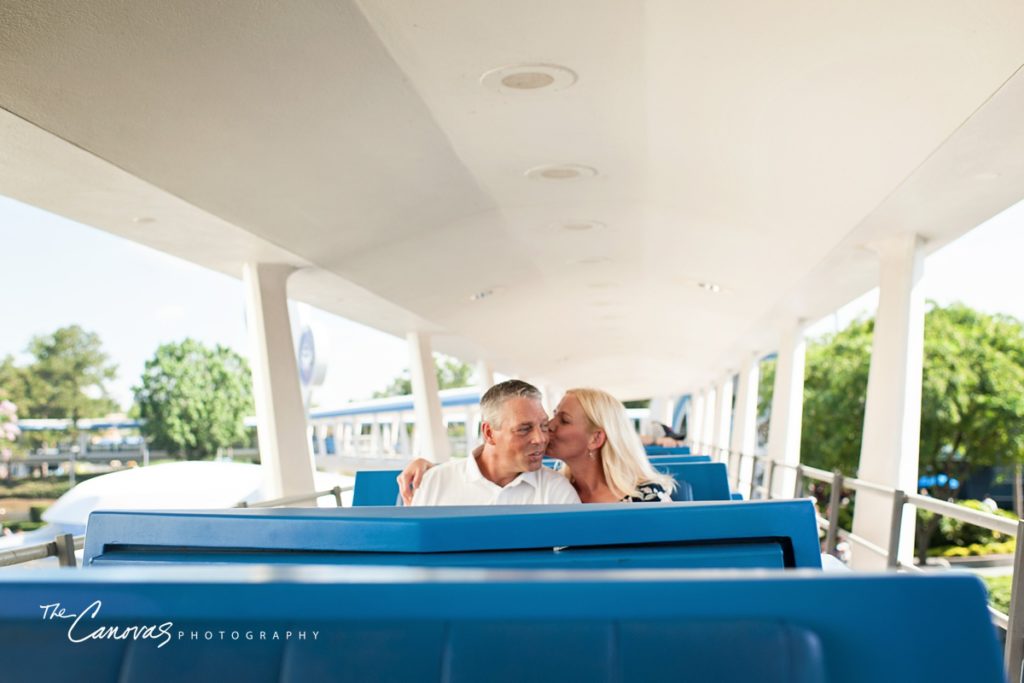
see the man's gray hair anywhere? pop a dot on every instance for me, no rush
(494, 399)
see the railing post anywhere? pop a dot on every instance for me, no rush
(899, 499)
(835, 499)
(1014, 639)
(65, 550)
(337, 495)
(753, 472)
(769, 475)
(798, 487)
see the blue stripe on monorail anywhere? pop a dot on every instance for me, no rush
(28, 426)
(396, 407)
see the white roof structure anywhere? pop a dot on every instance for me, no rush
(761, 148)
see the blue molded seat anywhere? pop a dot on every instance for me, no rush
(708, 480)
(667, 450)
(403, 624)
(376, 487)
(772, 534)
(678, 458)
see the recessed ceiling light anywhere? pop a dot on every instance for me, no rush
(561, 172)
(482, 294)
(710, 286)
(986, 175)
(143, 219)
(485, 293)
(520, 79)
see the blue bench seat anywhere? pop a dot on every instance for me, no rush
(448, 626)
(774, 534)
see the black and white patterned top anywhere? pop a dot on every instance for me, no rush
(650, 492)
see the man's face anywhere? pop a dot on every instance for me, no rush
(520, 441)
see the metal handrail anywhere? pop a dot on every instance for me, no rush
(299, 498)
(62, 547)
(1015, 641)
(863, 542)
(964, 514)
(858, 484)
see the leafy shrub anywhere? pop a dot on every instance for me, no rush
(23, 526)
(35, 488)
(947, 533)
(975, 549)
(998, 591)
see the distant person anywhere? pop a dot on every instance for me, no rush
(660, 434)
(508, 468)
(602, 455)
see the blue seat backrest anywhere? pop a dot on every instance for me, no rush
(709, 480)
(710, 534)
(376, 487)
(444, 626)
(678, 458)
(667, 450)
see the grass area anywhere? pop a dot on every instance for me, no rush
(998, 591)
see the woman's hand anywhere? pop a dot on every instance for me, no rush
(411, 477)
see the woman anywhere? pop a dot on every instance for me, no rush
(604, 459)
(602, 454)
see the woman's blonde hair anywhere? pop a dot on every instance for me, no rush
(623, 458)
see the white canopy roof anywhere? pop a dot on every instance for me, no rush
(760, 147)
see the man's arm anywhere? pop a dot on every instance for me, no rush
(411, 478)
(426, 493)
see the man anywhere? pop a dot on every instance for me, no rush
(507, 471)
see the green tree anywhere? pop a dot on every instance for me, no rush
(194, 399)
(972, 407)
(67, 377)
(972, 402)
(835, 385)
(451, 374)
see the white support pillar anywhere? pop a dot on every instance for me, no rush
(660, 410)
(695, 424)
(321, 438)
(787, 409)
(546, 397)
(403, 438)
(349, 442)
(724, 425)
(744, 433)
(712, 416)
(892, 412)
(395, 435)
(375, 437)
(484, 376)
(280, 414)
(431, 435)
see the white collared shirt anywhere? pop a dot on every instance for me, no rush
(460, 482)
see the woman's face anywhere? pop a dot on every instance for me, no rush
(569, 433)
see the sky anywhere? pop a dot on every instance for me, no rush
(57, 272)
(982, 269)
